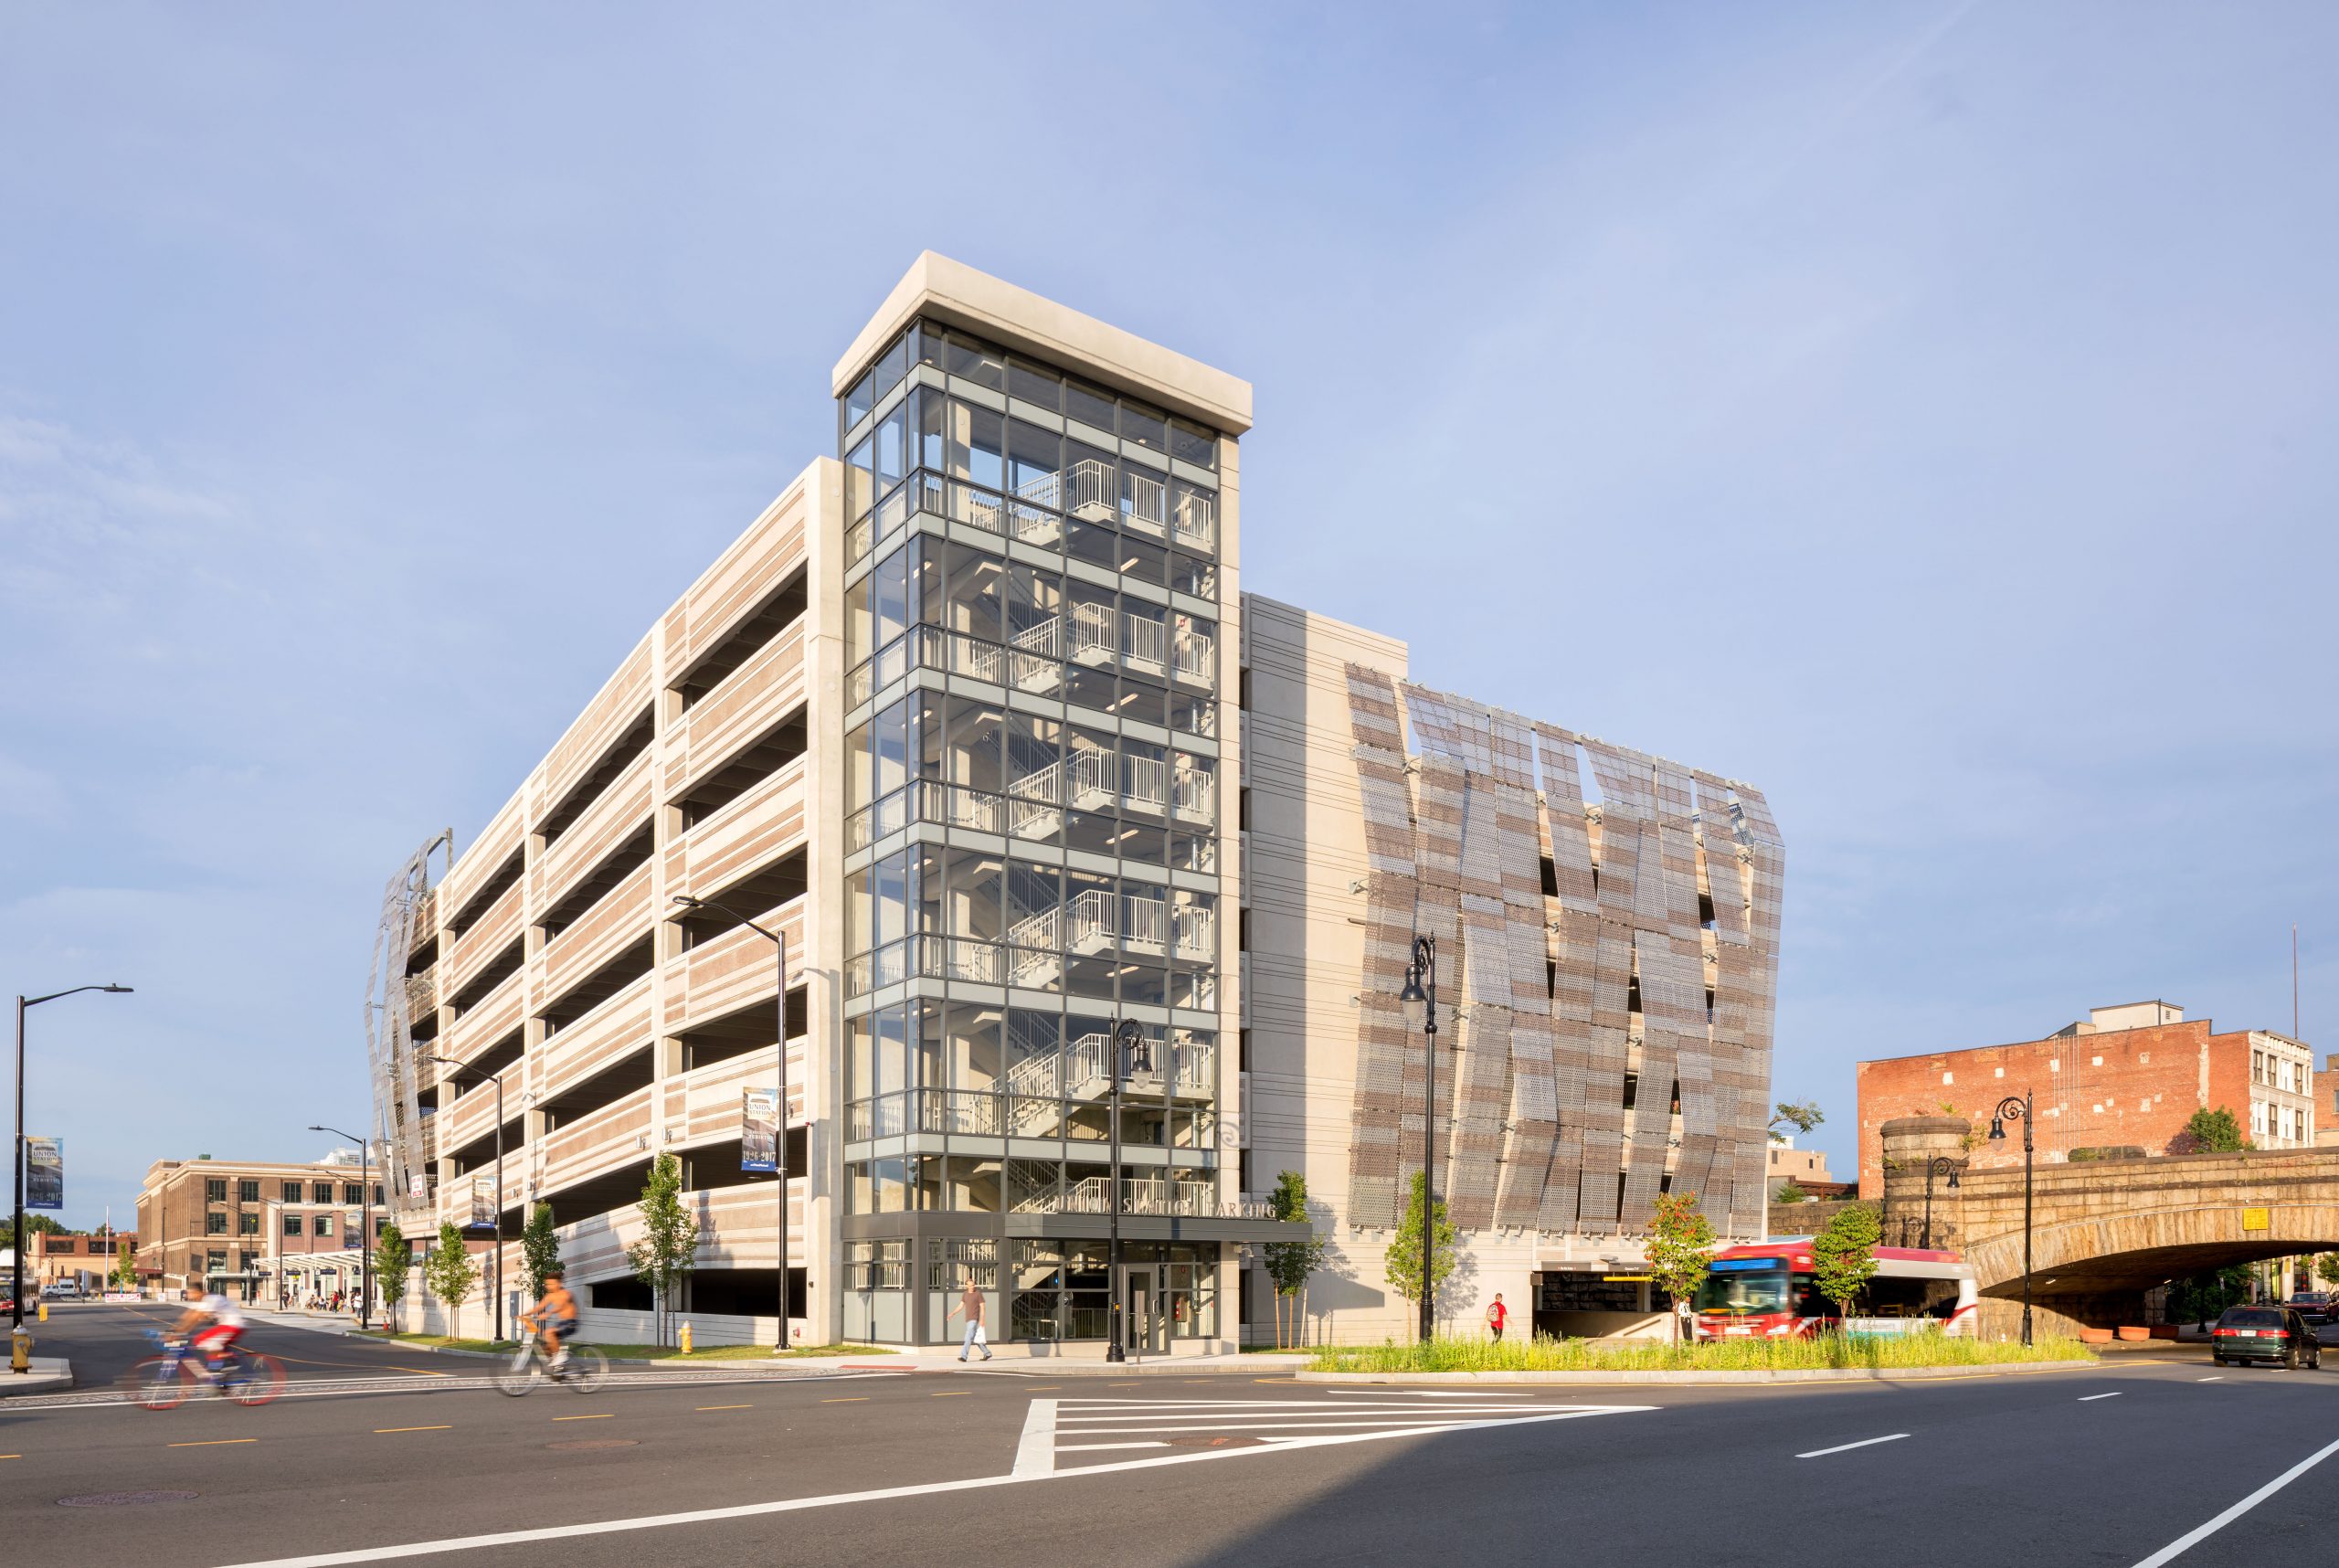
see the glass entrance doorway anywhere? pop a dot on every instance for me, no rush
(1141, 1310)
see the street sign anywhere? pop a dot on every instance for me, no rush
(44, 1173)
(2258, 1219)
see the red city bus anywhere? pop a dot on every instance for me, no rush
(1767, 1289)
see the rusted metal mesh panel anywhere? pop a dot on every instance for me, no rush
(1569, 833)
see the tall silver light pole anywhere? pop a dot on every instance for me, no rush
(366, 1236)
(16, 1162)
(1419, 1000)
(497, 1079)
(779, 1141)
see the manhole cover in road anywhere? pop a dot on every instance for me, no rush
(1197, 1440)
(584, 1443)
(121, 1499)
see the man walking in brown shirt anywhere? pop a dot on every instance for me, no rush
(970, 1302)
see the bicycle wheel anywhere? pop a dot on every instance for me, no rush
(258, 1380)
(159, 1383)
(518, 1376)
(586, 1368)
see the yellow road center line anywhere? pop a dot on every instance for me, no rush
(857, 1399)
(11, 1455)
(1046, 1386)
(726, 1407)
(954, 1393)
(605, 1417)
(380, 1430)
(215, 1443)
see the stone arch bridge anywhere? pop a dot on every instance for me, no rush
(2104, 1232)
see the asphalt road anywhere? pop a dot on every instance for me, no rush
(2107, 1467)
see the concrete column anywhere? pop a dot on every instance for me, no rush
(1910, 1144)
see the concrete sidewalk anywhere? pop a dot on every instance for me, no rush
(50, 1374)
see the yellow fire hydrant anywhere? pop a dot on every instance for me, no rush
(20, 1353)
(686, 1339)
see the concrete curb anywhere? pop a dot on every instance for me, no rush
(1801, 1374)
(50, 1374)
(816, 1363)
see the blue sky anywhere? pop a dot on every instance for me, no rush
(1921, 410)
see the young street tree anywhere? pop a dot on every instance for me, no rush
(1680, 1237)
(451, 1274)
(125, 1269)
(2327, 1267)
(539, 1251)
(2208, 1131)
(669, 1243)
(392, 1260)
(1402, 1270)
(1843, 1256)
(1289, 1264)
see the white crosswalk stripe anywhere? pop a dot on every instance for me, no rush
(1056, 1428)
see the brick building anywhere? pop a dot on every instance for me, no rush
(216, 1224)
(2127, 1076)
(86, 1260)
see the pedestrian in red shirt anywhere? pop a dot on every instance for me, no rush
(1498, 1317)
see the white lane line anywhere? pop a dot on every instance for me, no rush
(1848, 1447)
(1096, 1447)
(2219, 1378)
(1035, 1455)
(887, 1494)
(2090, 1398)
(1415, 1424)
(2194, 1537)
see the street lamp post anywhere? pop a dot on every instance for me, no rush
(2018, 1108)
(497, 1079)
(366, 1236)
(1129, 1038)
(1419, 1000)
(1939, 1165)
(778, 941)
(16, 1161)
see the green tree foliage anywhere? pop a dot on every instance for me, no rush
(2203, 1297)
(1800, 1114)
(125, 1268)
(1289, 1264)
(1843, 1256)
(669, 1243)
(1679, 1239)
(1789, 1192)
(450, 1274)
(2217, 1131)
(539, 1250)
(2326, 1268)
(392, 1260)
(1403, 1270)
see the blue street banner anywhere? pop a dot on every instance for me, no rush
(759, 1129)
(44, 1173)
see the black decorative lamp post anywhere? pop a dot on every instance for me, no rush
(1939, 1165)
(2018, 1108)
(1131, 1048)
(366, 1237)
(1419, 1000)
(17, 1152)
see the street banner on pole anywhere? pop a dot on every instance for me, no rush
(759, 1129)
(482, 1207)
(44, 1173)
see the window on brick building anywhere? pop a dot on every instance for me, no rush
(216, 1225)
(248, 1224)
(293, 1228)
(248, 1192)
(215, 1191)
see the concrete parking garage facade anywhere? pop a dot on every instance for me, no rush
(962, 714)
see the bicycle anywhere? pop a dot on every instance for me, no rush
(583, 1371)
(165, 1381)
